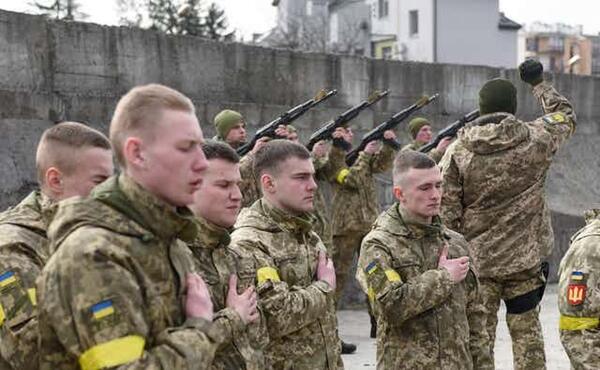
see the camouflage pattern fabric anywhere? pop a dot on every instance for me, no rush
(326, 170)
(493, 179)
(250, 186)
(347, 246)
(215, 262)
(112, 294)
(279, 255)
(23, 253)
(424, 319)
(433, 153)
(355, 203)
(579, 296)
(524, 328)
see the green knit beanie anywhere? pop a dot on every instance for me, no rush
(225, 121)
(498, 95)
(416, 124)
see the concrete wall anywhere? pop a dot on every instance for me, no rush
(51, 71)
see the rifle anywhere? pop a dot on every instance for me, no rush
(390, 124)
(285, 119)
(450, 131)
(325, 132)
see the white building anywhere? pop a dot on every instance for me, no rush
(444, 31)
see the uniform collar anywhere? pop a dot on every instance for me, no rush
(210, 235)
(294, 224)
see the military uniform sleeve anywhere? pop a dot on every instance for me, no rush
(286, 308)
(352, 177)
(18, 312)
(476, 315)
(229, 324)
(560, 119)
(329, 168)
(399, 297)
(452, 197)
(94, 304)
(436, 155)
(249, 186)
(383, 160)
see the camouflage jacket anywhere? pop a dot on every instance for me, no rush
(250, 187)
(424, 319)
(215, 262)
(433, 153)
(493, 180)
(112, 294)
(579, 272)
(280, 258)
(355, 205)
(23, 253)
(326, 170)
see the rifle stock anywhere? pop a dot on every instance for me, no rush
(450, 131)
(390, 124)
(286, 118)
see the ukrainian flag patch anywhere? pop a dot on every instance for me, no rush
(7, 279)
(371, 267)
(555, 118)
(102, 309)
(577, 275)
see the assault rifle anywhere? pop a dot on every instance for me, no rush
(390, 124)
(325, 132)
(285, 119)
(450, 131)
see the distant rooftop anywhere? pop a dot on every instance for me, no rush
(506, 23)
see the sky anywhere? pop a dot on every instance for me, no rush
(258, 16)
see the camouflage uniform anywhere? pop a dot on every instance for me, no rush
(326, 170)
(424, 319)
(416, 145)
(23, 253)
(280, 257)
(355, 207)
(215, 262)
(579, 297)
(493, 183)
(112, 294)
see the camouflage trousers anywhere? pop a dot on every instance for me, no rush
(346, 247)
(582, 347)
(525, 328)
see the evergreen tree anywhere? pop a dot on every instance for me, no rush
(61, 9)
(189, 19)
(163, 15)
(215, 24)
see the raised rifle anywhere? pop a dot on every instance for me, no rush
(285, 119)
(450, 131)
(390, 124)
(325, 132)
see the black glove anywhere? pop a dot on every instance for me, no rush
(531, 71)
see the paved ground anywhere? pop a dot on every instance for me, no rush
(354, 327)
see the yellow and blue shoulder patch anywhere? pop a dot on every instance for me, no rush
(102, 309)
(554, 118)
(7, 278)
(371, 268)
(577, 275)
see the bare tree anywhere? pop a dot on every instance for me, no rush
(131, 13)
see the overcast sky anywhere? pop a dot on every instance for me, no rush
(257, 16)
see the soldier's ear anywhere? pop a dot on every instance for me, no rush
(53, 180)
(267, 182)
(133, 153)
(398, 193)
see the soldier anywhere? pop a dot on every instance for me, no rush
(494, 175)
(231, 128)
(287, 262)
(216, 206)
(578, 296)
(420, 130)
(417, 275)
(71, 159)
(118, 291)
(355, 205)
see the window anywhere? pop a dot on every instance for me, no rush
(386, 52)
(413, 22)
(532, 44)
(383, 6)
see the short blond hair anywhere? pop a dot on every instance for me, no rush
(57, 144)
(140, 108)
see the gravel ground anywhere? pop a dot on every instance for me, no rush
(354, 327)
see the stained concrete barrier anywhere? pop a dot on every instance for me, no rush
(54, 70)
